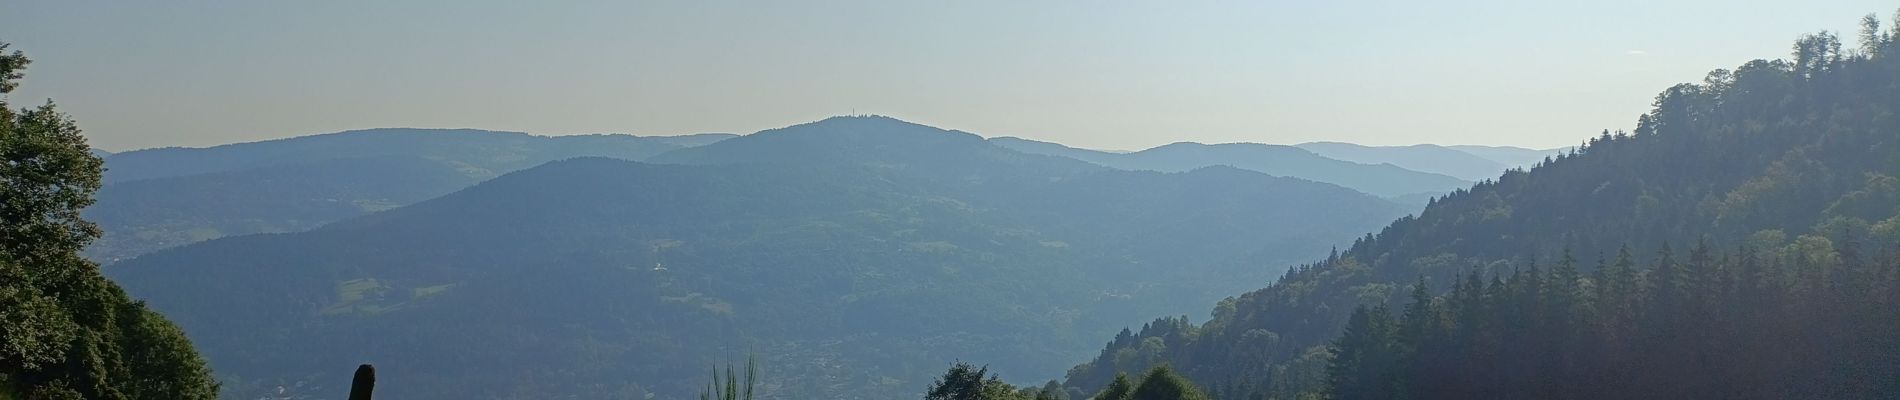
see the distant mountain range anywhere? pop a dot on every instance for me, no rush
(1287, 161)
(855, 255)
(479, 152)
(1512, 156)
(1457, 161)
(159, 198)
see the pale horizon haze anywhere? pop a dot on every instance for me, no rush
(1108, 75)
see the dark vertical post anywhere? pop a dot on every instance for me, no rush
(364, 383)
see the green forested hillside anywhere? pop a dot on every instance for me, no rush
(161, 198)
(856, 256)
(1777, 154)
(1812, 319)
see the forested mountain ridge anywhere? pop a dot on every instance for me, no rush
(949, 157)
(1058, 192)
(691, 140)
(160, 198)
(854, 272)
(150, 214)
(1378, 179)
(480, 152)
(1772, 154)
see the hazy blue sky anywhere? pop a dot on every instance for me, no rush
(1118, 75)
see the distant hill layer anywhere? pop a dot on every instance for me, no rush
(1421, 157)
(1288, 161)
(166, 197)
(856, 256)
(480, 152)
(1511, 156)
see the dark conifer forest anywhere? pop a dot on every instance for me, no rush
(1811, 320)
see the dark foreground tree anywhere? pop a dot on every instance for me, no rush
(66, 332)
(364, 383)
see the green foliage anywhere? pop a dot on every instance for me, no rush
(48, 177)
(966, 382)
(65, 331)
(1161, 383)
(1355, 367)
(1051, 391)
(731, 390)
(1118, 389)
(1772, 150)
(36, 329)
(12, 68)
(1713, 326)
